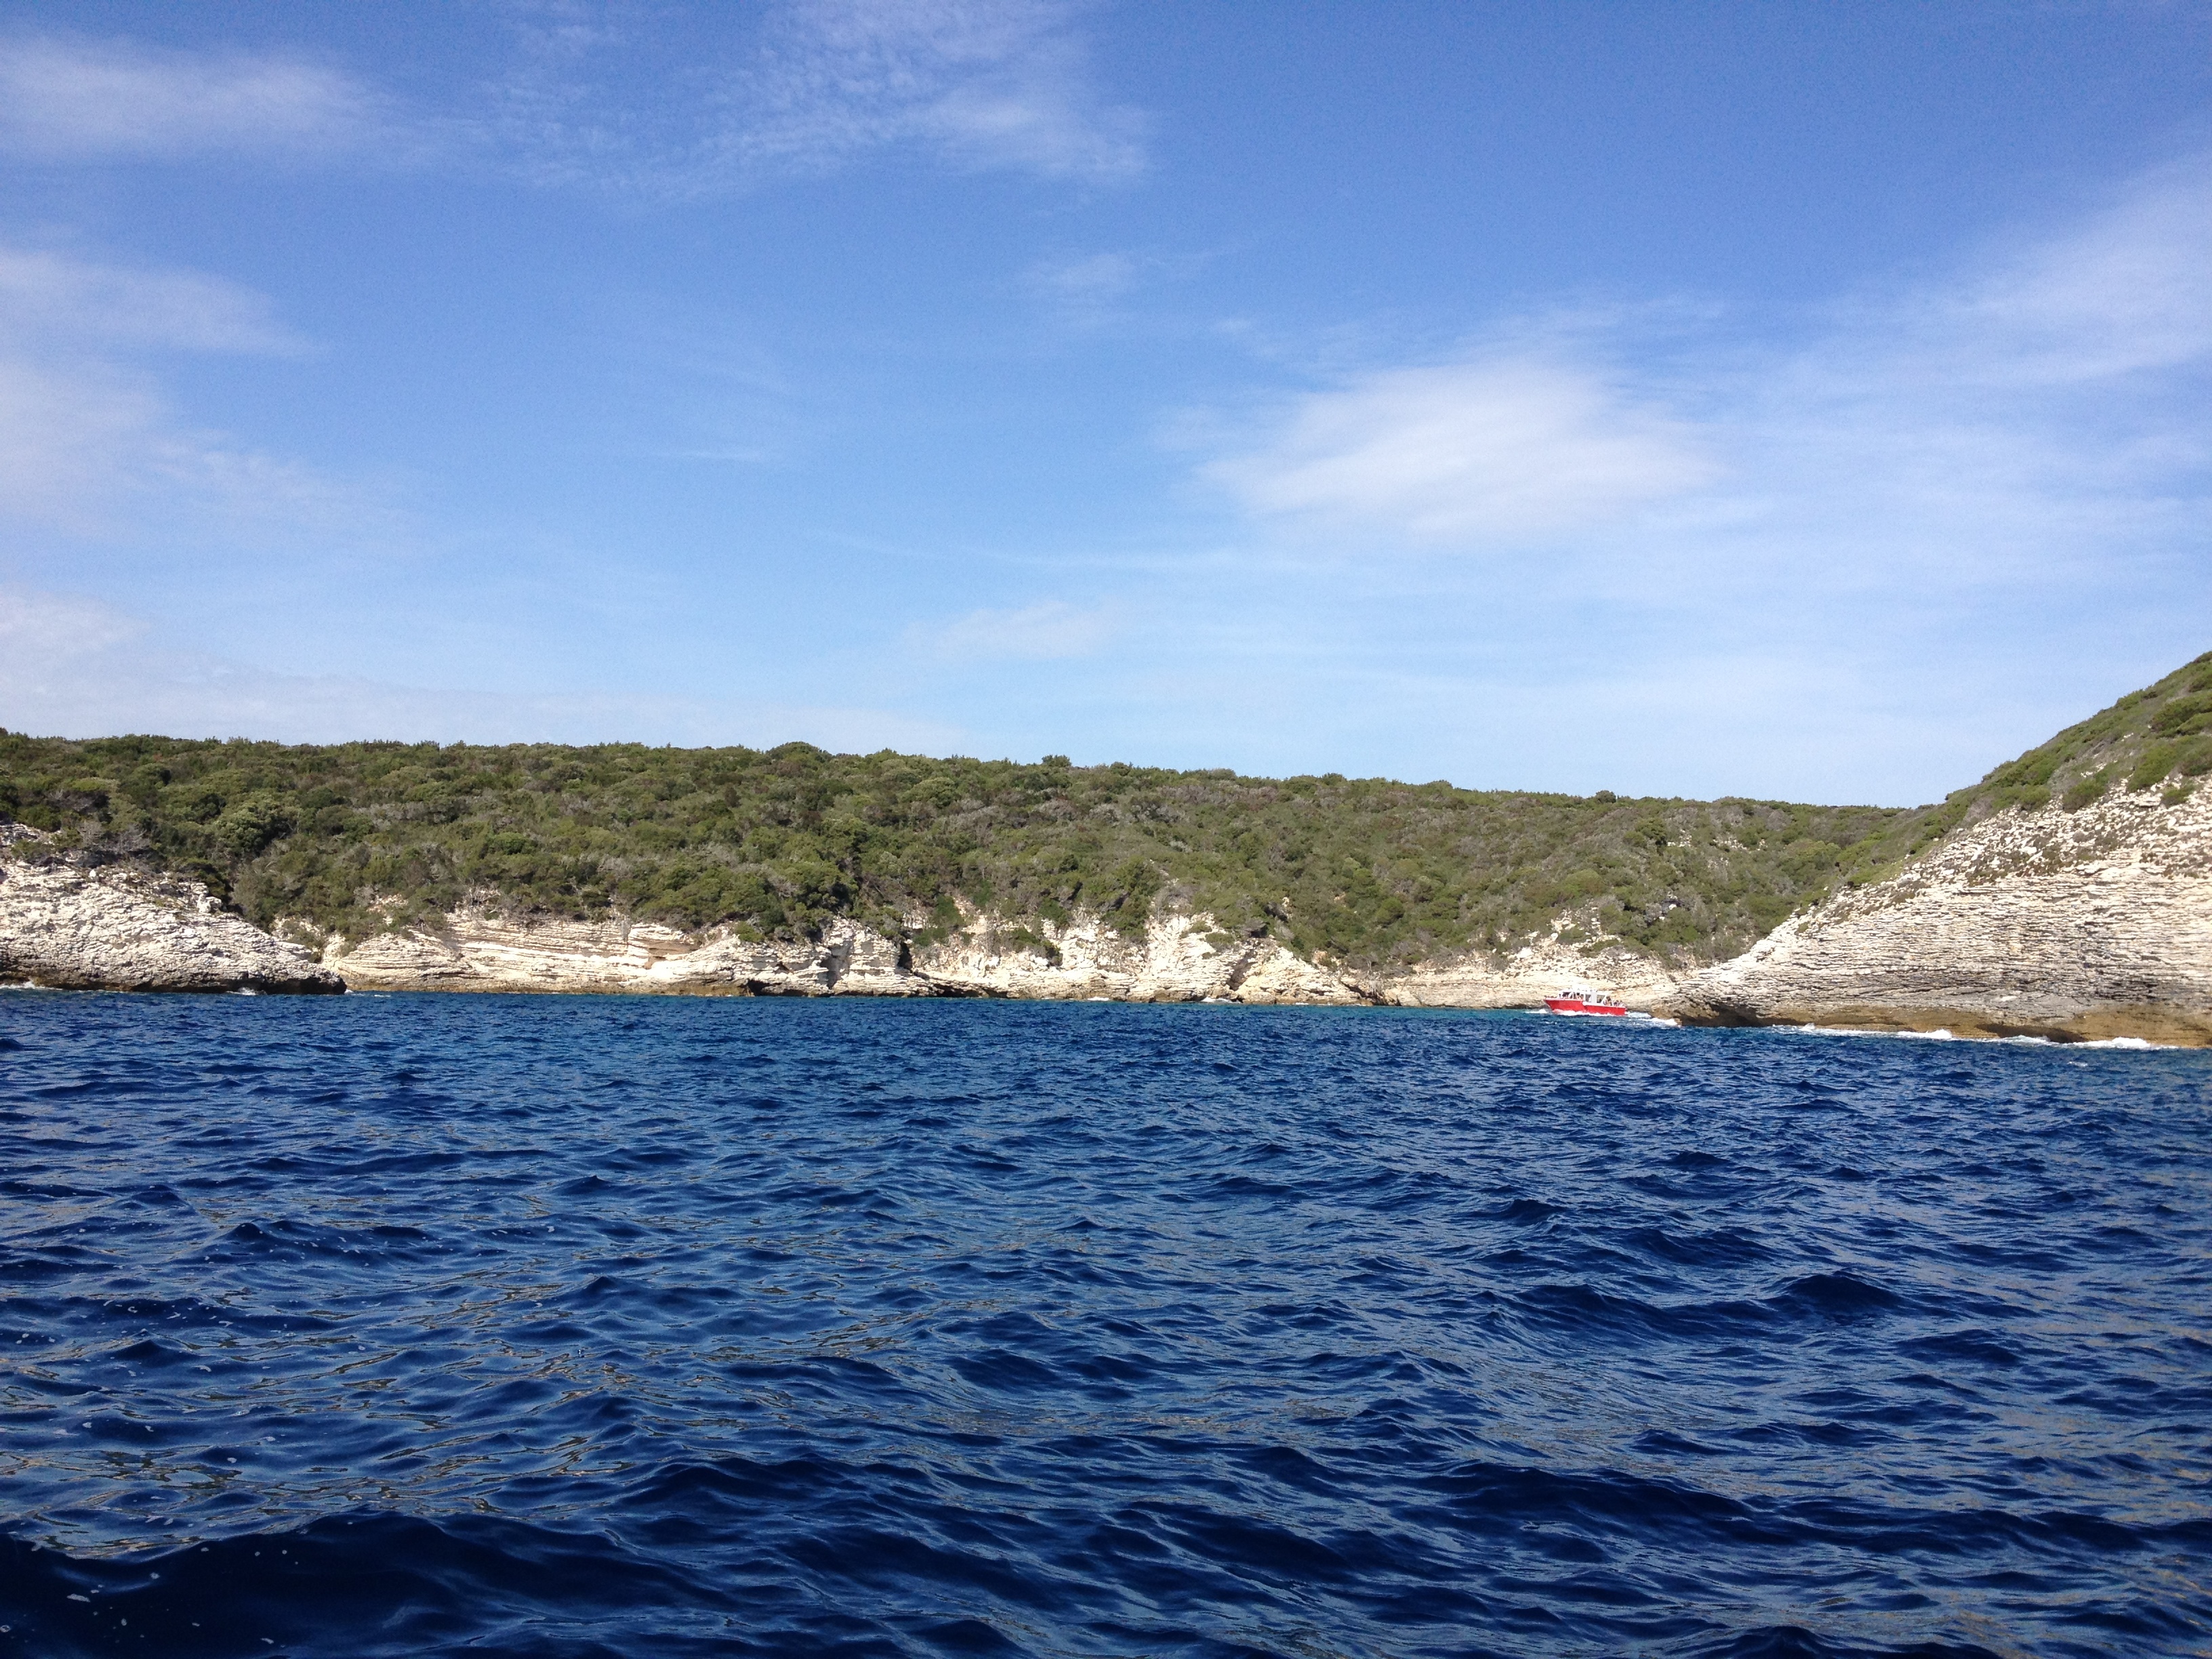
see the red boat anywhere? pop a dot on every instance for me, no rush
(1583, 1002)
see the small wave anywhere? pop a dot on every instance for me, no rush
(1941, 1035)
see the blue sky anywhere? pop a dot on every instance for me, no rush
(1795, 401)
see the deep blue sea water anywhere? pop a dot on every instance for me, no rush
(582, 1326)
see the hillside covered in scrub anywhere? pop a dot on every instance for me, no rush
(2158, 738)
(351, 838)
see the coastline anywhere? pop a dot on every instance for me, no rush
(2089, 926)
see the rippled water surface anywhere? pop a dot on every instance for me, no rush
(572, 1326)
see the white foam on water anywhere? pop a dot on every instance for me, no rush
(1941, 1035)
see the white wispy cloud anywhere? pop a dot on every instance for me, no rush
(2045, 395)
(56, 298)
(1049, 631)
(88, 438)
(2130, 290)
(1092, 290)
(1503, 448)
(987, 83)
(69, 98)
(811, 86)
(74, 667)
(606, 94)
(1086, 281)
(50, 629)
(2040, 414)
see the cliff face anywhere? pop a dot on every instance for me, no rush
(1179, 958)
(1175, 961)
(112, 929)
(1524, 978)
(478, 951)
(2093, 923)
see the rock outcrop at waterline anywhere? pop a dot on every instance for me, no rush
(1177, 959)
(67, 926)
(116, 929)
(1524, 978)
(2088, 924)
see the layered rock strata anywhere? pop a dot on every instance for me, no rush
(2084, 925)
(478, 950)
(1526, 977)
(113, 929)
(1177, 959)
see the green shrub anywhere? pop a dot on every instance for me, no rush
(2183, 717)
(251, 825)
(2091, 788)
(2155, 765)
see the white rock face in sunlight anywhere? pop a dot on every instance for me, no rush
(2095, 924)
(115, 929)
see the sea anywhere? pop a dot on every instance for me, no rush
(575, 1326)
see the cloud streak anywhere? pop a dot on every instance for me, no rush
(57, 299)
(88, 438)
(1920, 527)
(1508, 449)
(71, 100)
(1050, 631)
(607, 97)
(2052, 395)
(815, 87)
(985, 84)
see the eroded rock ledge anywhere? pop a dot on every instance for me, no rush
(1174, 962)
(1179, 958)
(115, 929)
(67, 926)
(2071, 926)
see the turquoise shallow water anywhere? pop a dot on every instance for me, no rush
(428, 1325)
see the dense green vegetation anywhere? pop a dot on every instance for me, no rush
(2158, 738)
(352, 837)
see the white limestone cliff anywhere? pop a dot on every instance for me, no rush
(477, 949)
(67, 928)
(1526, 977)
(1177, 959)
(2090, 924)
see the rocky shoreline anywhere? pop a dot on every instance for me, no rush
(2071, 926)
(115, 928)
(1178, 958)
(2076, 926)
(63, 927)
